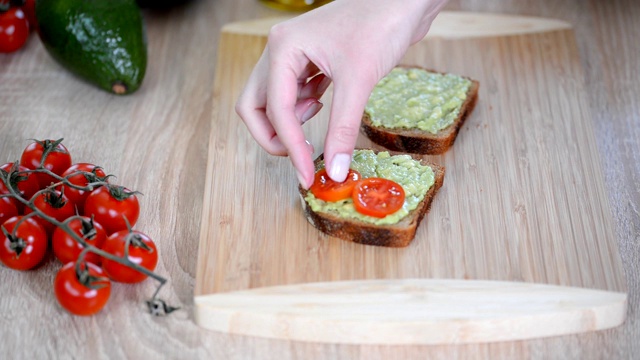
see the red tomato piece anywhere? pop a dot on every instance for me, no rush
(14, 30)
(57, 161)
(25, 183)
(378, 197)
(67, 249)
(26, 247)
(8, 209)
(92, 174)
(328, 190)
(53, 204)
(29, 9)
(110, 204)
(82, 295)
(142, 251)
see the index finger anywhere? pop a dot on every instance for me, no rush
(282, 95)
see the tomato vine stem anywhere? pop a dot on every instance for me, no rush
(156, 306)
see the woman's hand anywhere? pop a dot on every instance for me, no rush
(353, 43)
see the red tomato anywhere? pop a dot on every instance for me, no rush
(142, 251)
(14, 30)
(85, 294)
(53, 204)
(78, 196)
(26, 183)
(29, 9)
(67, 249)
(8, 209)
(26, 247)
(328, 190)
(58, 160)
(378, 197)
(110, 204)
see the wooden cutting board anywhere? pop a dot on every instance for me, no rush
(518, 243)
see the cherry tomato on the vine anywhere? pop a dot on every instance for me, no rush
(82, 294)
(26, 247)
(25, 183)
(57, 161)
(29, 9)
(92, 174)
(14, 30)
(378, 197)
(142, 251)
(67, 249)
(110, 204)
(53, 204)
(8, 209)
(328, 190)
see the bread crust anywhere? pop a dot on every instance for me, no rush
(395, 235)
(417, 141)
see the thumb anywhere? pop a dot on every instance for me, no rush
(348, 102)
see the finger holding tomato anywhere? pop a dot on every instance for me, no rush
(110, 205)
(142, 251)
(24, 243)
(84, 293)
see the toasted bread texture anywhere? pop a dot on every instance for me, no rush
(417, 141)
(399, 234)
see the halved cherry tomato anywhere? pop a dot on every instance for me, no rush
(25, 248)
(26, 183)
(67, 249)
(377, 197)
(53, 204)
(58, 159)
(328, 190)
(142, 251)
(93, 174)
(85, 294)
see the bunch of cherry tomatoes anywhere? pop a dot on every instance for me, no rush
(47, 203)
(17, 19)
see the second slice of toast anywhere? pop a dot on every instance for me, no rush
(417, 141)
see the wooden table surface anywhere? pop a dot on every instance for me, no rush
(156, 142)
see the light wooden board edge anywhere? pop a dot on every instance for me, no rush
(449, 25)
(411, 311)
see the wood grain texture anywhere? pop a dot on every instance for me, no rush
(411, 311)
(523, 198)
(447, 25)
(38, 97)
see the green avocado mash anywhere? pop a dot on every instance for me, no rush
(416, 180)
(416, 98)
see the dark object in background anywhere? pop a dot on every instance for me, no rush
(161, 4)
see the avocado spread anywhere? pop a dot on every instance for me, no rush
(416, 98)
(415, 179)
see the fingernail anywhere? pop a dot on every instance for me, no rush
(311, 148)
(301, 180)
(311, 111)
(339, 167)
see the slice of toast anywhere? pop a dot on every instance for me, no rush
(417, 141)
(399, 234)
